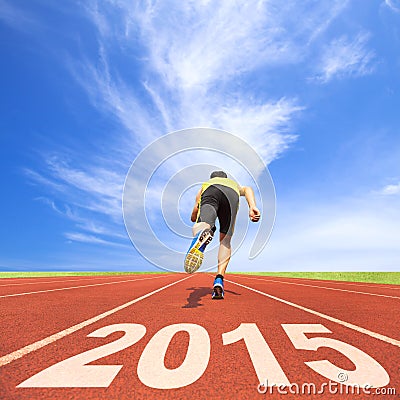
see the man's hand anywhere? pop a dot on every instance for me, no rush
(254, 214)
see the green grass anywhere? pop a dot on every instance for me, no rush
(372, 277)
(50, 273)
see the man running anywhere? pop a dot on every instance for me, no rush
(217, 198)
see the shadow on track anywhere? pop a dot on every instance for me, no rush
(193, 301)
(196, 295)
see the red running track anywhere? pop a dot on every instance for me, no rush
(168, 340)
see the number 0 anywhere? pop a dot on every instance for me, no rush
(151, 368)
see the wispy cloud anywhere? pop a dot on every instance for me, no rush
(184, 64)
(192, 68)
(95, 188)
(89, 196)
(320, 21)
(195, 60)
(394, 5)
(114, 97)
(351, 234)
(389, 190)
(16, 17)
(85, 238)
(346, 57)
(206, 43)
(83, 220)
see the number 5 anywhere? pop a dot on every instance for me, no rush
(367, 372)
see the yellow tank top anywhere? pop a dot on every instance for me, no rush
(221, 181)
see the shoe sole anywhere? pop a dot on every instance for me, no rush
(218, 293)
(194, 257)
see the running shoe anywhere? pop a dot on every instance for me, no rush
(218, 289)
(194, 256)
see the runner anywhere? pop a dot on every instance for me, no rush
(217, 198)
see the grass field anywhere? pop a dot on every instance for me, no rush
(35, 274)
(373, 277)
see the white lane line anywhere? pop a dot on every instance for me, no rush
(322, 287)
(64, 280)
(79, 287)
(48, 278)
(376, 285)
(328, 317)
(344, 283)
(8, 358)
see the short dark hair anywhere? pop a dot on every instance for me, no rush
(218, 174)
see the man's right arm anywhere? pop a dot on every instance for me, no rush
(248, 193)
(195, 210)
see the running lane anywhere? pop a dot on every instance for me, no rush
(179, 344)
(374, 308)
(15, 289)
(50, 308)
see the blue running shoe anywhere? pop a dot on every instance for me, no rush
(194, 256)
(218, 289)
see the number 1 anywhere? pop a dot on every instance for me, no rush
(264, 362)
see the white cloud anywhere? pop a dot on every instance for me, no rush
(346, 57)
(266, 127)
(89, 196)
(195, 57)
(393, 5)
(112, 96)
(352, 234)
(320, 21)
(184, 65)
(34, 176)
(205, 43)
(96, 188)
(390, 190)
(16, 17)
(84, 222)
(85, 238)
(196, 46)
(188, 71)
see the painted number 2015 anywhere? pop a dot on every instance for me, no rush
(151, 370)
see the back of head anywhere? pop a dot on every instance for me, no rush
(218, 174)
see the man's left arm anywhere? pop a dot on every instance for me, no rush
(248, 193)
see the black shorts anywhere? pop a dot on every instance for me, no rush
(222, 202)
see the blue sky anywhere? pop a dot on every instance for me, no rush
(313, 86)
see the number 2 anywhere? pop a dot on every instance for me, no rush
(73, 372)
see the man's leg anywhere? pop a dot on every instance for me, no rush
(202, 236)
(224, 253)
